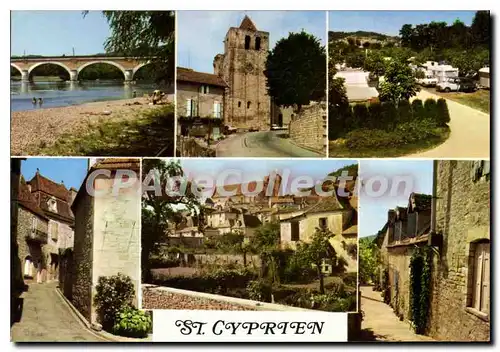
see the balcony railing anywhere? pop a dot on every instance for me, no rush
(37, 235)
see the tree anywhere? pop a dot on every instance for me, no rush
(375, 63)
(160, 210)
(481, 28)
(368, 261)
(400, 82)
(406, 33)
(337, 93)
(317, 250)
(296, 70)
(145, 35)
(355, 59)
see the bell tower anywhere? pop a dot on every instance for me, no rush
(242, 67)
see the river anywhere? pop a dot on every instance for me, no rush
(56, 94)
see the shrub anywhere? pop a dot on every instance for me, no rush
(389, 115)
(259, 290)
(113, 294)
(443, 112)
(334, 303)
(418, 109)
(132, 322)
(164, 262)
(376, 116)
(405, 111)
(361, 115)
(431, 111)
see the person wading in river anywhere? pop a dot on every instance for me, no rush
(34, 102)
(40, 102)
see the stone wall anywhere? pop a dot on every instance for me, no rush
(33, 249)
(462, 216)
(116, 247)
(252, 260)
(204, 102)
(308, 128)
(191, 147)
(82, 256)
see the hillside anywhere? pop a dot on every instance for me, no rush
(333, 36)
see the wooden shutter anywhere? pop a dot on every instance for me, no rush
(478, 269)
(216, 109)
(188, 107)
(295, 231)
(485, 282)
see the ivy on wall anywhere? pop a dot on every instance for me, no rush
(420, 282)
(386, 288)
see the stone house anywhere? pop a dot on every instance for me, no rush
(44, 226)
(187, 232)
(333, 213)
(234, 220)
(200, 96)
(456, 224)
(107, 231)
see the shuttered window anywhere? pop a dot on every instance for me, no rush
(54, 230)
(481, 281)
(295, 231)
(217, 109)
(189, 103)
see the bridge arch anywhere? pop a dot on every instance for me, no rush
(120, 67)
(16, 67)
(60, 64)
(138, 67)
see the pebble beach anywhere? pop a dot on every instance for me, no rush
(42, 127)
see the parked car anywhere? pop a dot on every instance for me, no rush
(457, 84)
(428, 81)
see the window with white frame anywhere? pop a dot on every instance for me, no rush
(204, 89)
(217, 109)
(34, 225)
(478, 297)
(189, 104)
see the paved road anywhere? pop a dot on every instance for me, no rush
(470, 132)
(46, 317)
(262, 144)
(380, 322)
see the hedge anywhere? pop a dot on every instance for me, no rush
(386, 116)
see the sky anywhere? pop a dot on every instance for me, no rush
(373, 209)
(70, 170)
(54, 33)
(201, 33)
(390, 22)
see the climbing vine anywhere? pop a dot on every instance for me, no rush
(420, 282)
(386, 288)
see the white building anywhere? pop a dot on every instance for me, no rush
(356, 84)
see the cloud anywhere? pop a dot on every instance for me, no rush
(201, 33)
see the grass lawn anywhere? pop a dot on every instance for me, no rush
(342, 151)
(150, 134)
(479, 100)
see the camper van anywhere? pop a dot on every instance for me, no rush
(484, 77)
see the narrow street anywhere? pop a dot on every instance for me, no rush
(469, 136)
(46, 317)
(380, 323)
(262, 144)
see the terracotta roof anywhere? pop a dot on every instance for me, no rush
(62, 206)
(248, 24)
(26, 199)
(189, 75)
(43, 184)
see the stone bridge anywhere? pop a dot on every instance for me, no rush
(75, 64)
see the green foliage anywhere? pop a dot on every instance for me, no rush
(145, 35)
(386, 288)
(375, 63)
(230, 243)
(420, 281)
(335, 302)
(259, 290)
(219, 280)
(355, 59)
(337, 93)
(369, 260)
(113, 294)
(132, 322)
(442, 112)
(266, 237)
(400, 82)
(296, 70)
(157, 212)
(317, 250)
(100, 71)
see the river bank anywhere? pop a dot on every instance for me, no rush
(35, 130)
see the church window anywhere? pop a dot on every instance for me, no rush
(249, 104)
(239, 104)
(257, 43)
(247, 42)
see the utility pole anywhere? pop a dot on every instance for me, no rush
(73, 51)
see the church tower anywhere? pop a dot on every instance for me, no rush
(242, 66)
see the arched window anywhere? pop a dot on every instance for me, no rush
(247, 42)
(249, 104)
(239, 104)
(257, 43)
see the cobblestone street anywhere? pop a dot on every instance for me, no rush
(46, 317)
